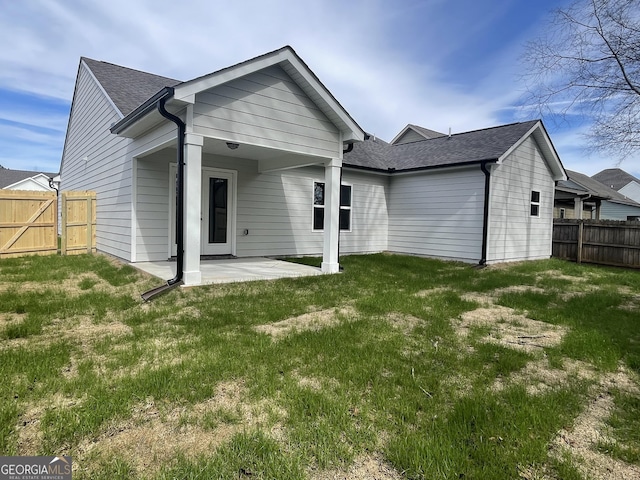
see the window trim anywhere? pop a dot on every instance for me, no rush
(348, 208)
(535, 204)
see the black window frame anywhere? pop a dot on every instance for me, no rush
(346, 207)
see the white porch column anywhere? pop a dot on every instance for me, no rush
(331, 215)
(192, 207)
(578, 207)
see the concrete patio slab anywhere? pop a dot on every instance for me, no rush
(233, 270)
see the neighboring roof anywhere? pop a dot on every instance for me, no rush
(489, 144)
(8, 177)
(615, 178)
(127, 88)
(423, 132)
(594, 188)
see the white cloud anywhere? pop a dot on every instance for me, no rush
(386, 63)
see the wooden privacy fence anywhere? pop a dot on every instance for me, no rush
(29, 223)
(605, 242)
(78, 223)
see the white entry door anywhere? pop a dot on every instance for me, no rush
(217, 212)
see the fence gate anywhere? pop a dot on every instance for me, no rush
(78, 223)
(28, 223)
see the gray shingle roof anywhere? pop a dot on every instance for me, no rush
(594, 187)
(427, 133)
(127, 88)
(461, 148)
(615, 178)
(9, 177)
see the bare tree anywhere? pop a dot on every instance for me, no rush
(588, 65)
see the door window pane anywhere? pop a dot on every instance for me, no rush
(218, 188)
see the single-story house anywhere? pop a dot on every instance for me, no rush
(581, 196)
(621, 181)
(27, 180)
(273, 165)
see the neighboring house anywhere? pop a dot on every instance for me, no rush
(414, 133)
(26, 180)
(621, 181)
(581, 193)
(274, 166)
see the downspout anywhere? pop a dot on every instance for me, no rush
(485, 220)
(177, 280)
(346, 150)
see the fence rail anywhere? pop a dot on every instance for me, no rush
(605, 242)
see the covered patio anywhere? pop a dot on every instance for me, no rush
(233, 270)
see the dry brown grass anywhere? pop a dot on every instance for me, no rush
(153, 435)
(579, 441)
(313, 321)
(369, 467)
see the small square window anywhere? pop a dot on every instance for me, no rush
(535, 197)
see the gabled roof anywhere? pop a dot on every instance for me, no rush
(486, 145)
(9, 177)
(183, 93)
(594, 188)
(126, 87)
(425, 133)
(615, 178)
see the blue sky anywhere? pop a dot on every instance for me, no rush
(438, 63)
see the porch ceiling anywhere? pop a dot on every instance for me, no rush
(254, 152)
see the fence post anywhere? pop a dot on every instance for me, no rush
(580, 234)
(89, 224)
(64, 239)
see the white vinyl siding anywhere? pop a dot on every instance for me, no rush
(152, 206)
(437, 214)
(369, 214)
(276, 210)
(515, 234)
(617, 211)
(631, 190)
(409, 137)
(266, 109)
(105, 170)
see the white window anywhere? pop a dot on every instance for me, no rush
(318, 206)
(535, 203)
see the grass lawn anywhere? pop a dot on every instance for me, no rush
(399, 367)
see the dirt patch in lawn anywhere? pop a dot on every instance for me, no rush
(510, 329)
(156, 433)
(580, 440)
(539, 376)
(28, 426)
(363, 468)
(313, 321)
(431, 291)
(403, 322)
